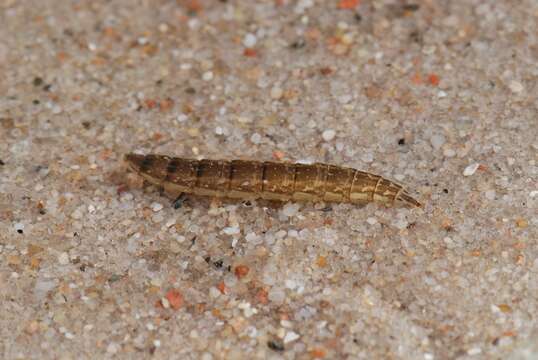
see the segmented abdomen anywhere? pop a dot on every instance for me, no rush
(267, 180)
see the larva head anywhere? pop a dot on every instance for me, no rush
(135, 161)
(154, 167)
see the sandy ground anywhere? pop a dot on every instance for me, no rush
(440, 96)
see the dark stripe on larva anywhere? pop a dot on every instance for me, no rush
(294, 188)
(197, 173)
(226, 169)
(146, 163)
(264, 169)
(231, 175)
(171, 168)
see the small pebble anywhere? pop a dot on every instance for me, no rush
(276, 295)
(290, 209)
(248, 311)
(328, 134)
(207, 356)
(286, 323)
(302, 5)
(232, 230)
(437, 141)
(156, 207)
(401, 224)
(251, 237)
(474, 351)
(371, 221)
(214, 292)
(276, 92)
(293, 233)
(490, 194)
(112, 348)
(165, 303)
(291, 336)
(522, 223)
(249, 40)
(175, 248)
(163, 27)
(19, 227)
(241, 271)
(344, 99)
(193, 23)
(207, 76)
(244, 120)
(347, 38)
(448, 152)
(367, 157)
(256, 138)
(290, 284)
(516, 86)
(77, 214)
(63, 259)
(42, 287)
(471, 169)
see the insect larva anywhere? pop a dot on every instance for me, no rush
(244, 179)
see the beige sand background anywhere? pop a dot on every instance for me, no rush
(438, 95)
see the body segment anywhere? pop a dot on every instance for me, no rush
(267, 180)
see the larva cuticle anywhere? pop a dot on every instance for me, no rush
(244, 179)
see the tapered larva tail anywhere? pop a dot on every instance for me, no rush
(244, 179)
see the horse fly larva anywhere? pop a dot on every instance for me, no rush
(247, 180)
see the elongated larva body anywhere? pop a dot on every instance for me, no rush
(281, 181)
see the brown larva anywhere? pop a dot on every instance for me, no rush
(243, 179)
